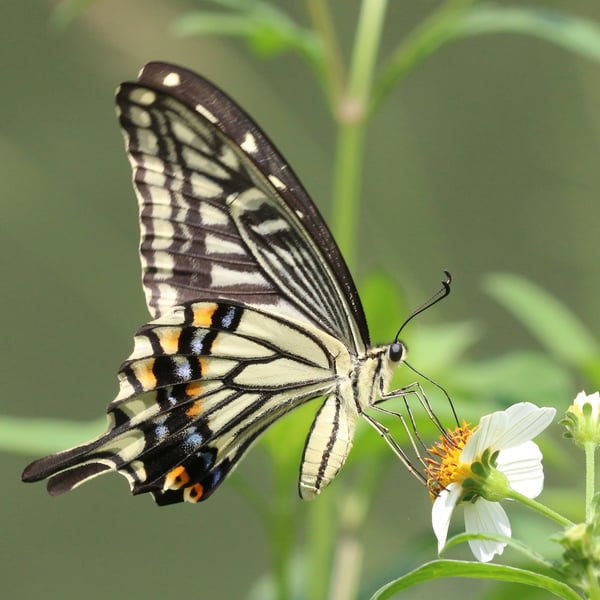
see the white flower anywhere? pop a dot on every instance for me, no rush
(478, 468)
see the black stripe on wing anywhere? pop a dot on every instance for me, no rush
(196, 157)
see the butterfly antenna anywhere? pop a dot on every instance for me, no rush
(439, 295)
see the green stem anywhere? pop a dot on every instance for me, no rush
(346, 184)
(282, 534)
(347, 563)
(364, 55)
(590, 478)
(592, 588)
(333, 64)
(541, 508)
(351, 114)
(321, 540)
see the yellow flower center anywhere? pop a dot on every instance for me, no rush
(444, 465)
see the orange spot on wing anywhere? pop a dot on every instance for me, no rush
(193, 493)
(194, 409)
(203, 314)
(176, 478)
(144, 374)
(169, 339)
(193, 389)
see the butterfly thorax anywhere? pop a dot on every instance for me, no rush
(371, 376)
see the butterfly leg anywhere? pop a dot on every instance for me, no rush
(418, 445)
(415, 389)
(384, 432)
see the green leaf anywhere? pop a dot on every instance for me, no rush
(557, 328)
(67, 11)
(39, 436)
(433, 348)
(213, 23)
(573, 33)
(455, 568)
(526, 551)
(515, 377)
(453, 21)
(267, 30)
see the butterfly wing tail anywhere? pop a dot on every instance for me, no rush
(68, 469)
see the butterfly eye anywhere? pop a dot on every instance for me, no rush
(397, 351)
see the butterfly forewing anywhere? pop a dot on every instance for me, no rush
(222, 214)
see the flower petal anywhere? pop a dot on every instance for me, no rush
(483, 516)
(592, 399)
(522, 466)
(442, 511)
(505, 429)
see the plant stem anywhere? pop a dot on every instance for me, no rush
(351, 115)
(592, 588)
(541, 508)
(346, 185)
(334, 73)
(364, 55)
(350, 112)
(282, 534)
(321, 540)
(347, 563)
(590, 479)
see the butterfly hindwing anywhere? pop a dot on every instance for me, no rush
(200, 385)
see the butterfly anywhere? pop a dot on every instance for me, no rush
(254, 309)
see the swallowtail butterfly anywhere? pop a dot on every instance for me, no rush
(255, 311)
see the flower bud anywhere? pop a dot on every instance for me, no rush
(582, 419)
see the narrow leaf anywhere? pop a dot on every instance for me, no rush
(211, 23)
(573, 33)
(265, 28)
(457, 20)
(38, 436)
(67, 11)
(517, 545)
(557, 328)
(455, 568)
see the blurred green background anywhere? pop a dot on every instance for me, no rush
(484, 160)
